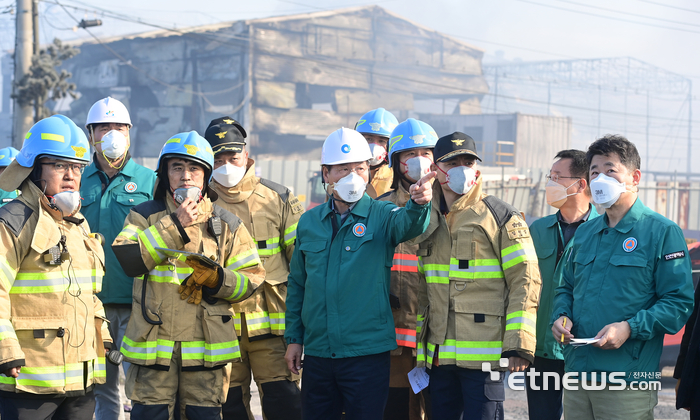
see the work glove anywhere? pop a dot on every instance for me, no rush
(203, 275)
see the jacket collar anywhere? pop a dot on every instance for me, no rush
(470, 198)
(204, 208)
(241, 191)
(46, 233)
(129, 168)
(628, 220)
(361, 208)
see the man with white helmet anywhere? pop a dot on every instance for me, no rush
(7, 155)
(338, 308)
(52, 335)
(112, 184)
(376, 127)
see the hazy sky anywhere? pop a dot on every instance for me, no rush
(665, 33)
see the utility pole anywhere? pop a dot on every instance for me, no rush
(22, 119)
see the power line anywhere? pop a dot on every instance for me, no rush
(670, 7)
(628, 13)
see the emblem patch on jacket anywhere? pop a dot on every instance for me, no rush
(517, 229)
(296, 205)
(359, 230)
(630, 244)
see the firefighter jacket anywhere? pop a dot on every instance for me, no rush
(205, 331)
(51, 321)
(338, 301)
(408, 294)
(483, 284)
(270, 212)
(106, 203)
(382, 179)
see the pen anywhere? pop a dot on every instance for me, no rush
(562, 334)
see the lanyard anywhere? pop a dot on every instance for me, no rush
(561, 244)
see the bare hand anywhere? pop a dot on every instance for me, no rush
(613, 336)
(293, 357)
(558, 329)
(187, 212)
(422, 191)
(517, 364)
(12, 372)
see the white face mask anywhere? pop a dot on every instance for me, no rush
(229, 175)
(417, 167)
(460, 179)
(68, 202)
(378, 154)
(181, 194)
(114, 144)
(556, 193)
(350, 188)
(606, 190)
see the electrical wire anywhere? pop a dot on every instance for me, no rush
(627, 13)
(670, 6)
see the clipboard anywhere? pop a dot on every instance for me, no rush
(177, 253)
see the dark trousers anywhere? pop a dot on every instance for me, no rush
(545, 404)
(67, 408)
(455, 390)
(358, 385)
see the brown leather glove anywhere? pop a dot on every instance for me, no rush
(202, 276)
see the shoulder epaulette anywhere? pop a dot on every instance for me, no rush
(229, 218)
(501, 210)
(149, 207)
(281, 190)
(15, 215)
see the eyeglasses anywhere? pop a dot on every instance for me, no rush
(62, 168)
(556, 177)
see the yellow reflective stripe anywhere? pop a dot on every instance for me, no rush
(47, 376)
(164, 274)
(130, 232)
(290, 234)
(521, 320)
(269, 252)
(241, 287)
(7, 274)
(277, 321)
(477, 269)
(257, 320)
(470, 350)
(245, 259)
(7, 330)
(214, 352)
(53, 137)
(53, 281)
(152, 239)
(436, 273)
(237, 323)
(516, 254)
(147, 350)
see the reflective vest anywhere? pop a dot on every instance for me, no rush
(205, 331)
(483, 284)
(51, 321)
(270, 212)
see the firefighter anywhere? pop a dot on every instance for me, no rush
(53, 339)
(410, 161)
(270, 212)
(338, 308)
(112, 184)
(376, 127)
(181, 331)
(483, 285)
(7, 155)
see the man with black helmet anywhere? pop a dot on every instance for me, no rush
(270, 212)
(191, 260)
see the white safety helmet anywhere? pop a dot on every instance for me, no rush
(108, 110)
(345, 146)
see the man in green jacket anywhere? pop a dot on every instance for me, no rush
(627, 282)
(567, 190)
(7, 155)
(338, 307)
(112, 184)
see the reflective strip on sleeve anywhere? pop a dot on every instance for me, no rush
(241, 287)
(516, 254)
(405, 262)
(485, 351)
(437, 273)
(7, 330)
(152, 239)
(277, 323)
(215, 352)
(99, 370)
(406, 337)
(272, 247)
(419, 323)
(478, 269)
(237, 323)
(425, 356)
(290, 234)
(521, 320)
(130, 232)
(245, 259)
(147, 350)
(165, 274)
(257, 321)
(53, 281)
(7, 274)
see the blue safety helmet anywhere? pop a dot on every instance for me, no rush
(7, 155)
(378, 121)
(55, 136)
(411, 134)
(190, 146)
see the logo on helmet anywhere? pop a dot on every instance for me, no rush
(222, 134)
(375, 126)
(418, 138)
(109, 113)
(79, 151)
(458, 142)
(192, 150)
(227, 121)
(345, 148)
